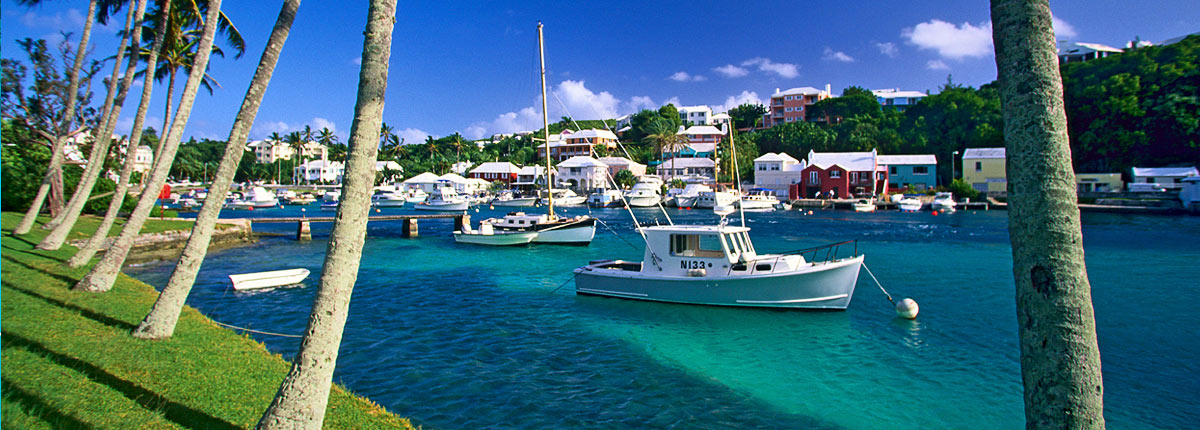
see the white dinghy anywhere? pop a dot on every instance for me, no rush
(274, 278)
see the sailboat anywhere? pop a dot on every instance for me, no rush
(550, 228)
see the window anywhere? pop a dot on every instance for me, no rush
(920, 170)
(893, 170)
(774, 167)
(696, 245)
(978, 166)
(762, 167)
(834, 174)
(853, 176)
(812, 178)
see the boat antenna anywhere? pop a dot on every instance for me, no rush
(546, 127)
(737, 179)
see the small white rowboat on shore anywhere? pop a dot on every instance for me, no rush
(274, 278)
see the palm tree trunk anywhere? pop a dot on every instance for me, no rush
(304, 393)
(104, 273)
(102, 138)
(89, 249)
(1060, 358)
(53, 176)
(139, 120)
(160, 322)
(166, 128)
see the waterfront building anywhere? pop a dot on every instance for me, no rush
(722, 120)
(842, 174)
(583, 173)
(792, 105)
(496, 171)
(617, 164)
(695, 115)
(1170, 178)
(920, 171)
(531, 177)
(1079, 52)
(575, 143)
(320, 171)
(702, 140)
(266, 151)
(461, 167)
(984, 170)
(1098, 182)
(697, 169)
(1189, 194)
(777, 172)
(895, 99)
(425, 182)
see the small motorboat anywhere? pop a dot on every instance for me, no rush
(444, 198)
(909, 204)
(713, 199)
(256, 198)
(387, 199)
(512, 199)
(487, 235)
(329, 202)
(864, 205)
(690, 195)
(415, 195)
(944, 202)
(564, 197)
(274, 278)
(645, 193)
(759, 198)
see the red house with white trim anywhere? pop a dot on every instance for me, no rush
(493, 171)
(845, 174)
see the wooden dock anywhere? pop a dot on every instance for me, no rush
(304, 230)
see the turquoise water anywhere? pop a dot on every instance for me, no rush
(458, 336)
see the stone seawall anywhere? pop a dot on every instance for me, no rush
(167, 245)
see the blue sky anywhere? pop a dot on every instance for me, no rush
(472, 68)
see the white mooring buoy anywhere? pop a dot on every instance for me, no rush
(907, 308)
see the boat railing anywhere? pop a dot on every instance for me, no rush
(832, 252)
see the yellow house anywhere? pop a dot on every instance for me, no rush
(983, 168)
(1098, 182)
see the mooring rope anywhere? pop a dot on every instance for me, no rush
(555, 290)
(614, 232)
(252, 330)
(889, 296)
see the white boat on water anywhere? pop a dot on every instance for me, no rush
(944, 202)
(488, 235)
(604, 198)
(690, 195)
(512, 199)
(759, 198)
(415, 195)
(444, 198)
(644, 194)
(255, 198)
(909, 204)
(864, 205)
(565, 197)
(387, 199)
(712, 199)
(330, 200)
(274, 278)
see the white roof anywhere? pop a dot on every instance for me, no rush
(387, 165)
(619, 161)
(807, 91)
(424, 178)
(983, 153)
(851, 161)
(703, 147)
(721, 115)
(590, 133)
(581, 161)
(533, 171)
(893, 160)
(453, 177)
(1165, 171)
(1082, 47)
(693, 108)
(702, 129)
(892, 93)
(496, 167)
(321, 164)
(771, 156)
(682, 162)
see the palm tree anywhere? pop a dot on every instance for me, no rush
(101, 138)
(160, 322)
(89, 249)
(666, 139)
(1060, 358)
(304, 393)
(294, 140)
(104, 273)
(54, 168)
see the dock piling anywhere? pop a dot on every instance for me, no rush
(461, 222)
(410, 228)
(303, 231)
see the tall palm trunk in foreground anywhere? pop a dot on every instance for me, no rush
(104, 273)
(1060, 359)
(304, 394)
(160, 323)
(89, 249)
(101, 139)
(53, 175)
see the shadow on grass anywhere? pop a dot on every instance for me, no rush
(87, 313)
(38, 408)
(184, 416)
(32, 250)
(69, 280)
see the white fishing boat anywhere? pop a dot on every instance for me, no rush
(644, 194)
(274, 278)
(487, 235)
(712, 199)
(255, 198)
(444, 198)
(690, 195)
(301, 200)
(759, 199)
(604, 198)
(944, 202)
(330, 200)
(565, 197)
(509, 198)
(864, 205)
(909, 204)
(415, 195)
(387, 199)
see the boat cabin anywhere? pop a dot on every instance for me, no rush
(706, 251)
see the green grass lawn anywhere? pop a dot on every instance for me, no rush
(68, 360)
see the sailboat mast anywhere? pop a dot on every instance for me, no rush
(546, 126)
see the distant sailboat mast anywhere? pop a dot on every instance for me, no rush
(546, 127)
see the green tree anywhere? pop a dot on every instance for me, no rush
(625, 178)
(1060, 358)
(747, 115)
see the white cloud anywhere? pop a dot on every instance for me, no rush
(839, 56)
(936, 65)
(262, 129)
(888, 49)
(582, 103)
(318, 123)
(637, 103)
(686, 77)
(672, 101)
(69, 20)
(522, 120)
(785, 70)
(1062, 29)
(951, 41)
(740, 99)
(731, 71)
(413, 135)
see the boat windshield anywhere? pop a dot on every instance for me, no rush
(739, 243)
(697, 245)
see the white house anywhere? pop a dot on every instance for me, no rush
(1170, 178)
(702, 139)
(530, 177)
(143, 158)
(617, 164)
(694, 169)
(777, 172)
(896, 99)
(461, 167)
(424, 182)
(1079, 52)
(722, 119)
(583, 173)
(320, 171)
(695, 115)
